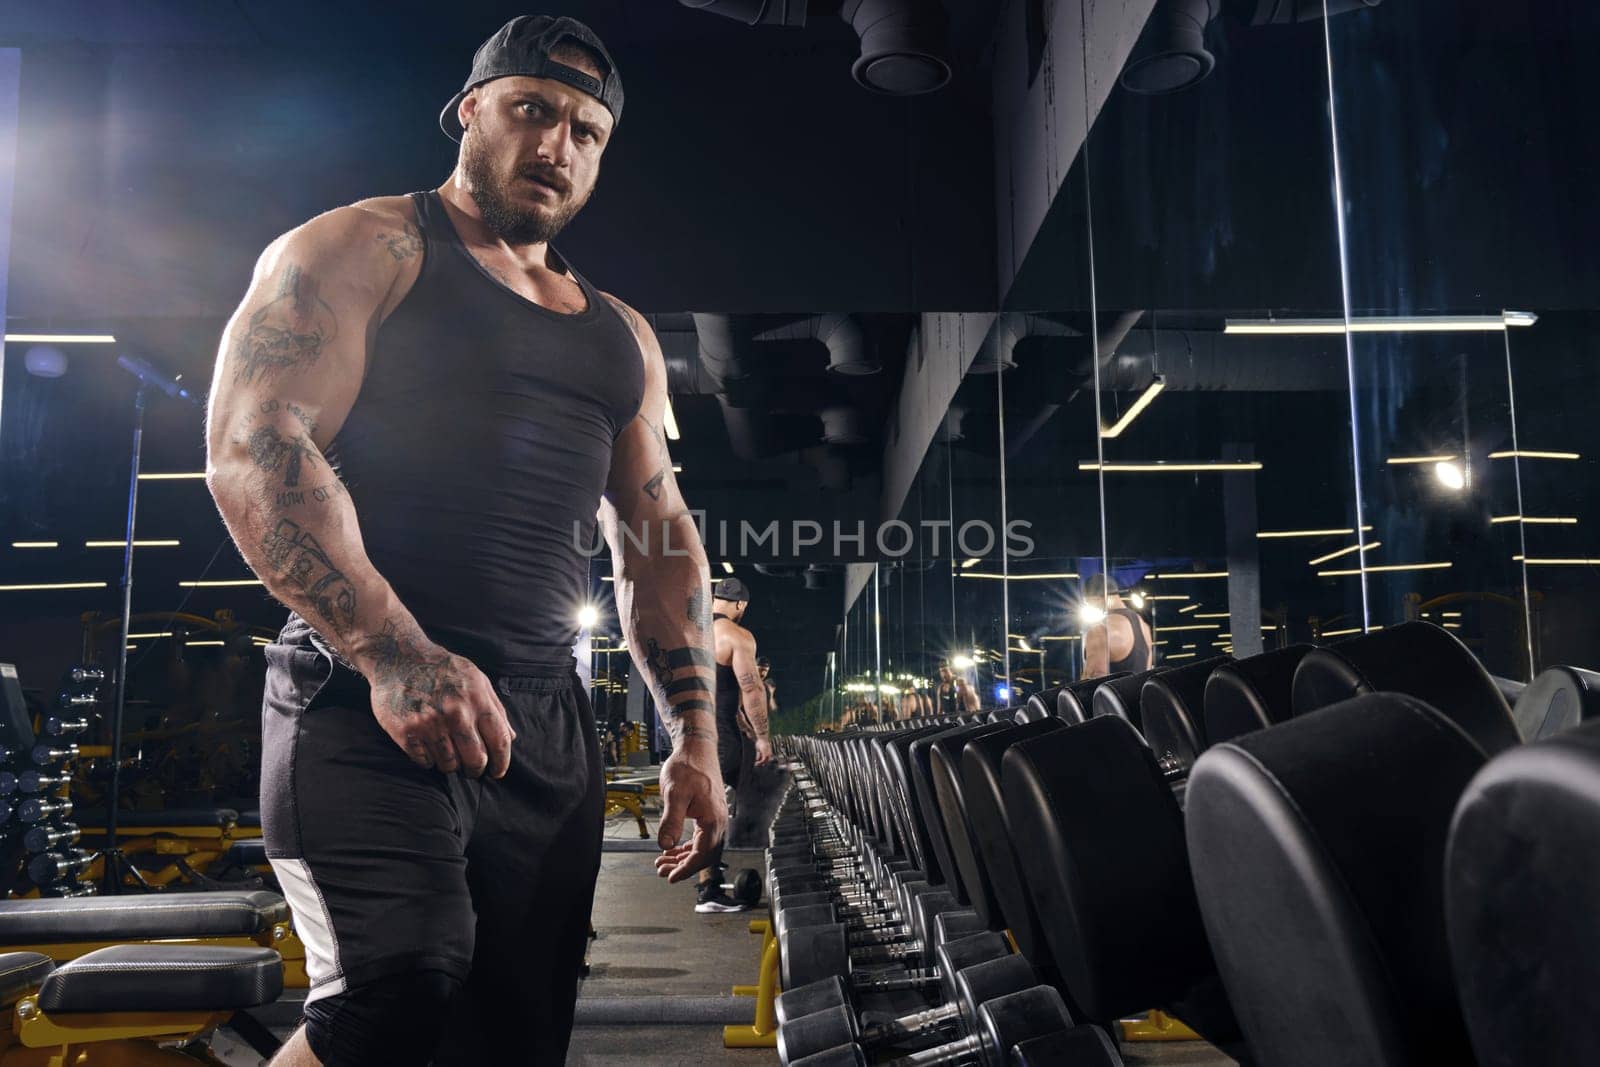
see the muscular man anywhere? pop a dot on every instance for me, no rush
(1122, 642)
(765, 668)
(742, 733)
(416, 413)
(956, 697)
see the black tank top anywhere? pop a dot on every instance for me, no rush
(478, 448)
(1138, 657)
(949, 704)
(730, 709)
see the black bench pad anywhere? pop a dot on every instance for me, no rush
(248, 853)
(132, 820)
(65, 919)
(21, 973)
(164, 978)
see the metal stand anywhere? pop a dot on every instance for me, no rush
(115, 860)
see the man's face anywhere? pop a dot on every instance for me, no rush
(944, 674)
(765, 670)
(530, 155)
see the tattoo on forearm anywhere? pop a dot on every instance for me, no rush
(287, 334)
(699, 609)
(403, 245)
(297, 558)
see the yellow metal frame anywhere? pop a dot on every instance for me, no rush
(1156, 1026)
(39, 1030)
(629, 804)
(763, 1033)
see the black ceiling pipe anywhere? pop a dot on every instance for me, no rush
(755, 12)
(1113, 331)
(842, 334)
(997, 353)
(905, 45)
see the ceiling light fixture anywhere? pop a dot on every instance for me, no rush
(1535, 520)
(670, 422)
(36, 544)
(1344, 532)
(1396, 461)
(1157, 383)
(1450, 474)
(1193, 574)
(173, 476)
(62, 338)
(51, 585)
(136, 544)
(1343, 552)
(1385, 324)
(1522, 453)
(1017, 577)
(1386, 567)
(1191, 607)
(227, 583)
(1163, 467)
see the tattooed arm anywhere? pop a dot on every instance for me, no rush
(289, 368)
(741, 651)
(663, 593)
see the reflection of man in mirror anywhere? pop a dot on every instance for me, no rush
(1119, 639)
(956, 697)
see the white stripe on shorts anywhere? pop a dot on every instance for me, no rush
(314, 926)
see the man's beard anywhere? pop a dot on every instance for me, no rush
(509, 219)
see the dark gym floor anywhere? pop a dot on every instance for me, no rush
(652, 947)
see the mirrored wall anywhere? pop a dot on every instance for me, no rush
(1307, 354)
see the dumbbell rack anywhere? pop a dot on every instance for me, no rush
(37, 833)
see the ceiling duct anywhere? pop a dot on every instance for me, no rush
(755, 12)
(844, 425)
(842, 334)
(905, 45)
(998, 351)
(949, 431)
(1113, 331)
(1174, 56)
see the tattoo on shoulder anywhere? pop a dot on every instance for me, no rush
(288, 334)
(626, 312)
(405, 244)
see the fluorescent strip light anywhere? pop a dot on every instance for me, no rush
(1196, 626)
(149, 636)
(677, 468)
(1342, 633)
(670, 421)
(1191, 607)
(1559, 562)
(1535, 520)
(1522, 453)
(1169, 596)
(607, 578)
(1452, 626)
(1017, 577)
(1212, 615)
(1343, 552)
(1069, 637)
(1395, 461)
(220, 584)
(1268, 629)
(36, 544)
(973, 562)
(1345, 532)
(1188, 646)
(727, 567)
(1160, 643)
(1225, 637)
(199, 644)
(1151, 391)
(1196, 574)
(1450, 614)
(1387, 567)
(136, 544)
(1182, 655)
(62, 338)
(52, 585)
(173, 476)
(1171, 468)
(1385, 324)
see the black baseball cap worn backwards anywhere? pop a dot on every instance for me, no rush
(522, 48)
(732, 590)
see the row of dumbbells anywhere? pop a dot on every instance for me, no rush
(862, 932)
(33, 784)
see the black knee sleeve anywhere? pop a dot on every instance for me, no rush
(392, 1021)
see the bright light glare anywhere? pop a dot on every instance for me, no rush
(588, 616)
(1091, 614)
(961, 663)
(1150, 393)
(1450, 475)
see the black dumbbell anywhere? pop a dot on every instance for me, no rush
(48, 838)
(915, 923)
(953, 956)
(1001, 1025)
(55, 726)
(50, 756)
(68, 699)
(974, 986)
(37, 782)
(810, 953)
(69, 889)
(50, 867)
(41, 808)
(87, 674)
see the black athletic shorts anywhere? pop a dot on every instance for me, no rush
(389, 867)
(736, 753)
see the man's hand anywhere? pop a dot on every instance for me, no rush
(438, 707)
(763, 751)
(691, 788)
